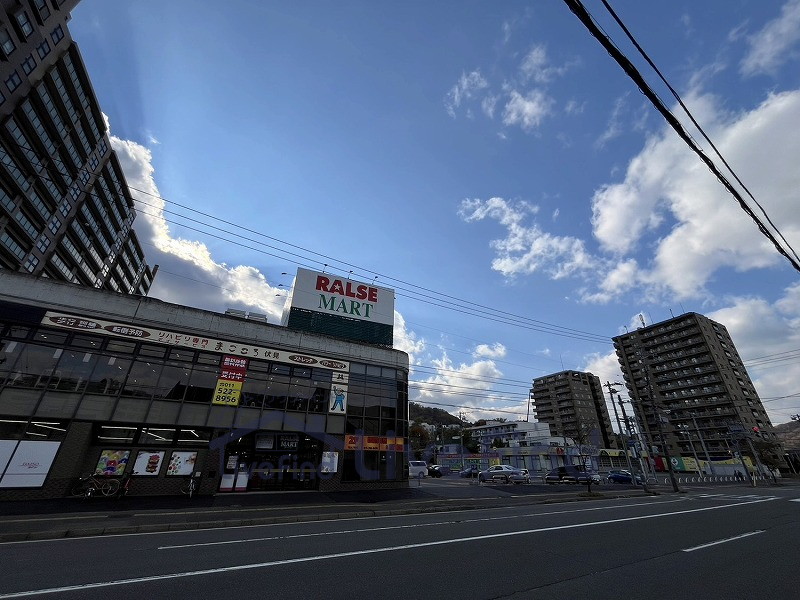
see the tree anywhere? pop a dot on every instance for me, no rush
(419, 438)
(583, 437)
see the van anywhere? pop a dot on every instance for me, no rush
(417, 468)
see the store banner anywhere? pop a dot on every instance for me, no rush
(229, 385)
(171, 338)
(30, 464)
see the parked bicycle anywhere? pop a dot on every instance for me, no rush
(190, 487)
(92, 485)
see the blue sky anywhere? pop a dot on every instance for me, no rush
(479, 155)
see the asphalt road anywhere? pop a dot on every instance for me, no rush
(724, 543)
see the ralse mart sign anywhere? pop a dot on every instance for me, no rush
(324, 293)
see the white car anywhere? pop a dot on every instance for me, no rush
(505, 473)
(417, 468)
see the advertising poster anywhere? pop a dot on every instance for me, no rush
(229, 384)
(30, 464)
(7, 448)
(182, 463)
(112, 462)
(330, 462)
(148, 463)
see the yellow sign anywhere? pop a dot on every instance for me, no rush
(227, 392)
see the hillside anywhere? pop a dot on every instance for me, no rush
(789, 434)
(433, 416)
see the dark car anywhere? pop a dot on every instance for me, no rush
(469, 471)
(434, 471)
(623, 476)
(571, 474)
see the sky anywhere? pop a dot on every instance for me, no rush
(489, 161)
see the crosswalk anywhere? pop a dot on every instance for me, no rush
(739, 497)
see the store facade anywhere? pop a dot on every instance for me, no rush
(95, 382)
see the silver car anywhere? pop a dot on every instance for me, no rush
(505, 473)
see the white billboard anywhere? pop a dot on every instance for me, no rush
(334, 295)
(30, 464)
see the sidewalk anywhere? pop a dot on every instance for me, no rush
(70, 517)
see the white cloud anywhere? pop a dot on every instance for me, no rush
(527, 111)
(526, 247)
(496, 350)
(614, 125)
(406, 340)
(467, 387)
(488, 105)
(199, 276)
(556, 212)
(536, 66)
(771, 46)
(465, 88)
(573, 107)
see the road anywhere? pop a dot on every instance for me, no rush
(733, 542)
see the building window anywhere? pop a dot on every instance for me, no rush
(30, 263)
(6, 43)
(57, 35)
(14, 81)
(24, 23)
(43, 243)
(44, 10)
(43, 49)
(29, 64)
(12, 245)
(54, 225)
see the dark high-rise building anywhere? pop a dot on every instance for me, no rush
(687, 372)
(572, 403)
(65, 208)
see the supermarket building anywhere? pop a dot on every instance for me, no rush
(97, 382)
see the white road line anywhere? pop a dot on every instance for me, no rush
(390, 527)
(795, 500)
(331, 520)
(477, 538)
(53, 519)
(730, 539)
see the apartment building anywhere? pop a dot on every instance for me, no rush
(66, 212)
(687, 381)
(572, 404)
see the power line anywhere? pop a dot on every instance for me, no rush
(695, 123)
(576, 6)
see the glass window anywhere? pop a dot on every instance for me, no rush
(13, 81)
(34, 366)
(57, 35)
(86, 341)
(142, 379)
(50, 336)
(254, 389)
(157, 436)
(44, 10)
(108, 375)
(24, 23)
(73, 371)
(277, 392)
(202, 382)
(280, 369)
(152, 351)
(29, 64)
(181, 354)
(193, 437)
(173, 381)
(121, 346)
(108, 434)
(6, 43)
(207, 358)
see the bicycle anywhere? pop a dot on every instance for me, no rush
(92, 485)
(190, 487)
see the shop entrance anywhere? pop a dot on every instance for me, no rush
(272, 461)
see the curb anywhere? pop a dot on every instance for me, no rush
(76, 533)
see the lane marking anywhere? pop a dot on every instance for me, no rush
(305, 559)
(390, 527)
(52, 519)
(332, 520)
(726, 540)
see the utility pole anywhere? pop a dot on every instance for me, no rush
(703, 444)
(658, 414)
(611, 389)
(642, 442)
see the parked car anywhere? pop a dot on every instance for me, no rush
(417, 468)
(434, 471)
(571, 474)
(522, 477)
(624, 476)
(505, 473)
(469, 471)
